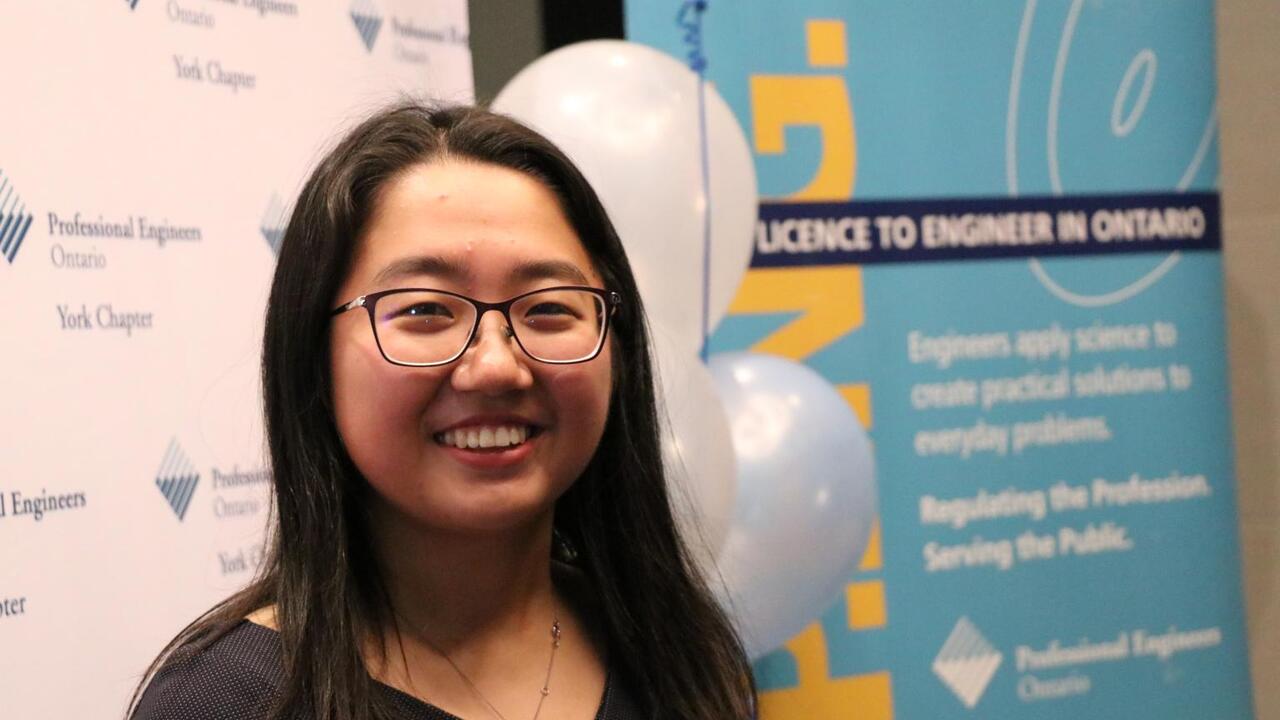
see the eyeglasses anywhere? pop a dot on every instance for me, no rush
(418, 327)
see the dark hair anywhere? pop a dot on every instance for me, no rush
(668, 639)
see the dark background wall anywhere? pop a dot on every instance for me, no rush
(506, 35)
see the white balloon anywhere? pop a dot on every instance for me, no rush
(628, 117)
(697, 449)
(806, 495)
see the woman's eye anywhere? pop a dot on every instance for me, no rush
(426, 310)
(550, 308)
(421, 316)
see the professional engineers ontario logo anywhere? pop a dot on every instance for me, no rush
(967, 662)
(177, 479)
(368, 21)
(274, 221)
(14, 220)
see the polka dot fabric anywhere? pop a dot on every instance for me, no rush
(236, 679)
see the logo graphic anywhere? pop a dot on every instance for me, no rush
(177, 479)
(273, 222)
(14, 220)
(368, 21)
(967, 662)
(131, 3)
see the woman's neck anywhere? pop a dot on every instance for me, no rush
(456, 591)
(471, 628)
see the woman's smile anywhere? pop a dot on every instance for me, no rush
(492, 442)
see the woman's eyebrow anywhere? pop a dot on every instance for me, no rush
(549, 270)
(445, 268)
(454, 270)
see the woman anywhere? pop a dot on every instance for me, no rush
(471, 518)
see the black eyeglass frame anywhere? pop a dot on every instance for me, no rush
(610, 299)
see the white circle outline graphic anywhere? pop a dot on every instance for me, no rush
(1144, 59)
(1011, 166)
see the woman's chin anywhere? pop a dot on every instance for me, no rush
(493, 509)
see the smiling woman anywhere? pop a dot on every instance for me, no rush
(471, 515)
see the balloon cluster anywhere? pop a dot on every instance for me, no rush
(770, 468)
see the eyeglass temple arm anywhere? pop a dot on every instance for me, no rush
(358, 302)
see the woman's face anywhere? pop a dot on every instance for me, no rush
(489, 233)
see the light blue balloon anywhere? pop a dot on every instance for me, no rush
(806, 495)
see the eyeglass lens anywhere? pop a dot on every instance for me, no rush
(422, 327)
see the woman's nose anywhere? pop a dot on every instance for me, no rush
(493, 363)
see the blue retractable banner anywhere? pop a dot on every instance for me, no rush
(1018, 201)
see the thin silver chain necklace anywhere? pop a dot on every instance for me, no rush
(546, 682)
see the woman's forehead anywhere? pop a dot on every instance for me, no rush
(470, 222)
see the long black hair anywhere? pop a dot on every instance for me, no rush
(667, 638)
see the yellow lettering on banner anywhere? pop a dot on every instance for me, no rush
(818, 696)
(829, 299)
(872, 557)
(830, 302)
(865, 599)
(778, 101)
(826, 42)
(858, 395)
(867, 608)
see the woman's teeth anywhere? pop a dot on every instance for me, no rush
(484, 436)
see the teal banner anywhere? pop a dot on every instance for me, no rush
(994, 227)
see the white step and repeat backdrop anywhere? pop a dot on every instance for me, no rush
(149, 152)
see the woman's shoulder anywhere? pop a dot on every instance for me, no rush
(233, 678)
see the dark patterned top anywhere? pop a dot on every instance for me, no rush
(236, 678)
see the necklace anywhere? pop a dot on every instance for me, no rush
(546, 682)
